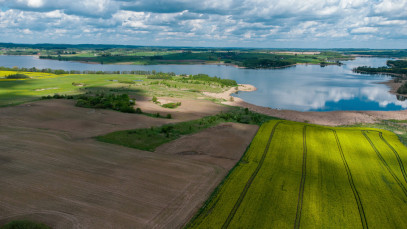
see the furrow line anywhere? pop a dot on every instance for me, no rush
(250, 181)
(385, 163)
(352, 183)
(302, 184)
(403, 171)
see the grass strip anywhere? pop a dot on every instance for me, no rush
(150, 138)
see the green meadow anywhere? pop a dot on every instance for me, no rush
(17, 91)
(299, 175)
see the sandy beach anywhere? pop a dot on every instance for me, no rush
(330, 118)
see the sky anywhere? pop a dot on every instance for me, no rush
(208, 23)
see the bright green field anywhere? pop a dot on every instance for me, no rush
(14, 92)
(296, 175)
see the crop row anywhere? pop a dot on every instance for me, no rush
(300, 175)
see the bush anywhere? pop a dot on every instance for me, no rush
(155, 100)
(120, 103)
(171, 105)
(57, 96)
(24, 224)
(206, 78)
(17, 76)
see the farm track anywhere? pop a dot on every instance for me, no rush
(385, 163)
(250, 181)
(318, 188)
(302, 184)
(351, 183)
(403, 171)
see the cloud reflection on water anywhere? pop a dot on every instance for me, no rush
(332, 88)
(303, 87)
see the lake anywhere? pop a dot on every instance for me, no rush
(302, 88)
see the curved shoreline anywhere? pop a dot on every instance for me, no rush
(329, 118)
(180, 63)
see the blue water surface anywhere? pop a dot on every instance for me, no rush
(302, 88)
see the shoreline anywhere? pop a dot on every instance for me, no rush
(328, 118)
(198, 63)
(393, 86)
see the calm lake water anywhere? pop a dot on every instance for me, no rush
(303, 87)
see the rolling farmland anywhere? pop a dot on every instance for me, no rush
(309, 176)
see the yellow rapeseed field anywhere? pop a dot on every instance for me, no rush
(297, 175)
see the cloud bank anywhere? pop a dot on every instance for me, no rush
(237, 23)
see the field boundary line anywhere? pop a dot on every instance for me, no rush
(250, 181)
(385, 163)
(403, 171)
(302, 183)
(352, 183)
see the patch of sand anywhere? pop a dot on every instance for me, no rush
(43, 89)
(330, 118)
(226, 95)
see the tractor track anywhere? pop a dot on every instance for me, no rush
(385, 163)
(403, 171)
(352, 183)
(250, 181)
(302, 183)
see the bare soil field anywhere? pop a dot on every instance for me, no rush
(53, 171)
(190, 109)
(221, 145)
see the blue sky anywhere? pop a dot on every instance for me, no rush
(214, 23)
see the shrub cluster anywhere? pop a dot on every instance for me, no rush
(58, 96)
(121, 103)
(24, 224)
(206, 78)
(171, 105)
(17, 76)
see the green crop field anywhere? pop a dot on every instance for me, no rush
(309, 176)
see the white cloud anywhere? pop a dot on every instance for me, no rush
(257, 22)
(27, 31)
(35, 3)
(365, 30)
